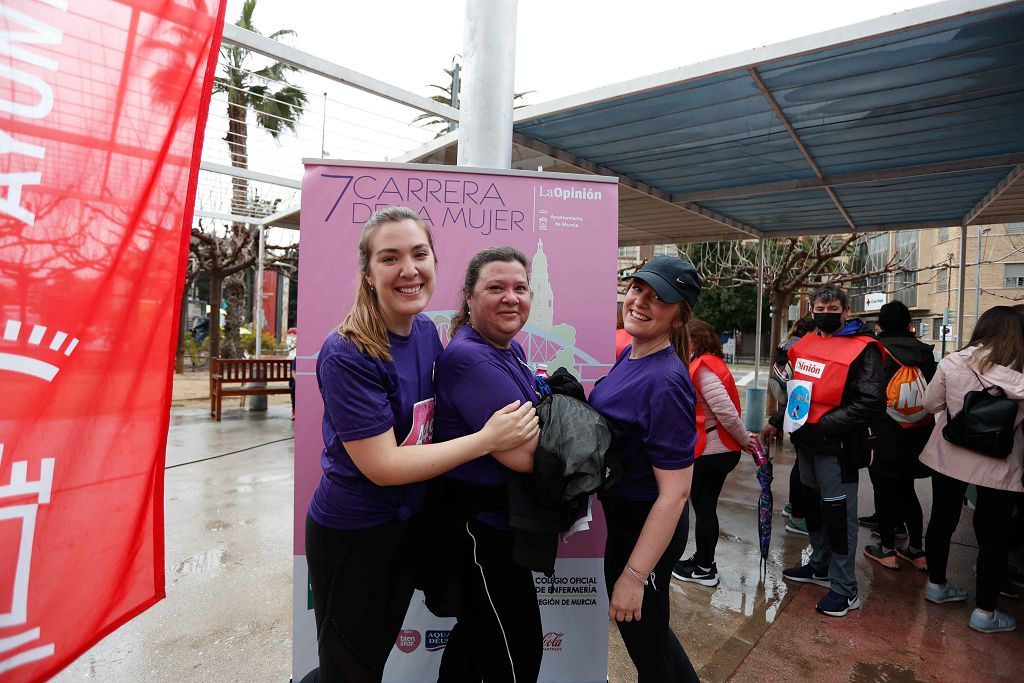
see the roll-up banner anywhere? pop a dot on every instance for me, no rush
(567, 225)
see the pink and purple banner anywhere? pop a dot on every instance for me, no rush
(567, 225)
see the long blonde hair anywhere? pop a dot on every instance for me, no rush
(364, 325)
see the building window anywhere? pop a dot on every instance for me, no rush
(1015, 228)
(942, 280)
(943, 234)
(666, 250)
(870, 255)
(906, 283)
(1013, 273)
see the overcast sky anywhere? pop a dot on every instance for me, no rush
(563, 46)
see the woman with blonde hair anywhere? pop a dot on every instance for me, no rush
(649, 395)
(994, 356)
(375, 377)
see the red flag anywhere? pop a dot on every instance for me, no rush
(102, 108)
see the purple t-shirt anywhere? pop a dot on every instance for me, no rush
(652, 399)
(474, 379)
(364, 397)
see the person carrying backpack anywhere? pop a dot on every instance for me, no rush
(900, 435)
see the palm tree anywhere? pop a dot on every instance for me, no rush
(444, 96)
(278, 106)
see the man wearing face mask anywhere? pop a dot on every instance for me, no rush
(836, 392)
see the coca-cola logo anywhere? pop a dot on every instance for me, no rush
(553, 640)
(408, 640)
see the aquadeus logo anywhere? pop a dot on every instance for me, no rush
(809, 367)
(435, 640)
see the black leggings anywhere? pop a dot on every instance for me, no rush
(990, 518)
(896, 501)
(362, 585)
(797, 497)
(709, 473)
(498, 637)
(656, 652)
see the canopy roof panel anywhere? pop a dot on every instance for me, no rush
(911, 120)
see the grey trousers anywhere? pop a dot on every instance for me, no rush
(831, 519)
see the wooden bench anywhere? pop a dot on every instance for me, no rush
(242, 371)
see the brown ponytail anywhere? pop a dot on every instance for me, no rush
(678, 337)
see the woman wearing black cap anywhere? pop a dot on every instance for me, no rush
(649, 395)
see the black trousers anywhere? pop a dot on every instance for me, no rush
(498, 637)
(709, 473)
(362, 586)
(656, 652)
(990, 526)
(896, 501)
(797, 497)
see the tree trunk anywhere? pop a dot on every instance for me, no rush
(179, 355)
(216, 294)
(234, 289)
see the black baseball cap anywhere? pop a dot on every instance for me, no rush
(673, 279)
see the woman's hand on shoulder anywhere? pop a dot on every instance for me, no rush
(511, 426)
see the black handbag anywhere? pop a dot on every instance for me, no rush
(985, 423)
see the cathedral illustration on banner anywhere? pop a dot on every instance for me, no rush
(548, 343)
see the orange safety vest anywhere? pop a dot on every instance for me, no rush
(825, 363)
(717, 366)
(622, 340)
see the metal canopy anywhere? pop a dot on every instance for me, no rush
(911, 120)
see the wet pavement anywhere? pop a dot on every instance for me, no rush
(227, 616)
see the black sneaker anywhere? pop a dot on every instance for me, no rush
(696, 574)
(836, 605)
(682, 565)
(1009, 590)
(869, 522)
(807, 574)
(900, 532)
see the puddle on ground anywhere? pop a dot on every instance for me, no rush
(203, 562)
(863, 672)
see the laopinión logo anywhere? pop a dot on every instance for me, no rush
(435, 640)
(408, 640)
(37, 350)
(809, 367)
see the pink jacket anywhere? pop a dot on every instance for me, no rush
(719, 410)
(945, 394)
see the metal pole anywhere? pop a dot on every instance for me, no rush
(756, 404)
(760, 306)
(485, 117)
(323, 130)
(456, 84)
(257, 319)
(977, 287)
(962, 285)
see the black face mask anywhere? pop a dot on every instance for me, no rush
(828, 322)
